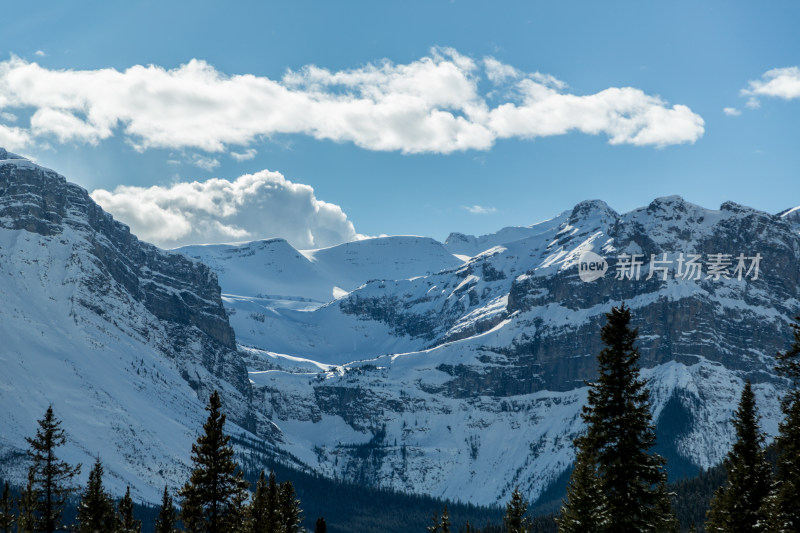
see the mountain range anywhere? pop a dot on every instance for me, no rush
(453, 369)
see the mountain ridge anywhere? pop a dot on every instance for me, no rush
(125, 340)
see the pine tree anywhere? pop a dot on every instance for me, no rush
(320, 526)
(585, 510)
(167, 519)
(445, 523)
(26, 518)
(264, 512)
(214, 496)
(272, 516)
(620, 432)
(515, 519)
(739, 505)
(95, 509)
(291, 516)
(436, 524)
(52, 477)
(786, 502)
(6, 511)
(125, 521)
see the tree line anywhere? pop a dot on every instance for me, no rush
(215, 499)
(617, 484)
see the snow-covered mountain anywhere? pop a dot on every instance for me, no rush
(455, 370)
(468, 381)
(470, 245)
(270, 288)
(125, 340)
(792, 216)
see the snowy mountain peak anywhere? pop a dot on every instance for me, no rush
(591, 209)
(674, 207)
(739, 209)
(6, 155)
(792, 216)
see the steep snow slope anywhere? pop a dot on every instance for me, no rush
(270, 288)
(470, 245)
(792, 216)
(382, 258)
(124, 340)
(274, 269)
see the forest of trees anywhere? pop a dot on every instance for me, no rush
(617, 484)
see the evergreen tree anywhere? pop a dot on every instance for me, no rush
(290, 513)
(620, 432)
(585, 510)
(214, 496)
(6, 511)
(95, 509)
(786, 502)
(258, 513)
(320, 526)
(167, 519)
(436, 524)
(445, 521)
(272, 515)
(52, 477)
(740, 504)
(26, 518)
(125, 521)
(515, 519)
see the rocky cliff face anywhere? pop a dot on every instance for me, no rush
(124, 339)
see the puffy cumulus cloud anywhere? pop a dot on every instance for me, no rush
(433, 104)
(778, 82)
(254, 206)
(12, 138)
(626, 115)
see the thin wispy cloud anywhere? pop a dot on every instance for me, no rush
(248, 154)
(253, 206)
(781, 83)
(480, 210)
(206, 163)
(432, 105)
(731, 111)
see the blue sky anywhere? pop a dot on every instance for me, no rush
(419, 118)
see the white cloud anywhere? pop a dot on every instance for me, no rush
(479, 209)
(430, 105)
(206, 163)
(39, 53)
(626, 115)
(248, 154)
(498, 72)
(778, 83)
(253, 206)
(14, 138)
(731, 111)
(8, 117)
